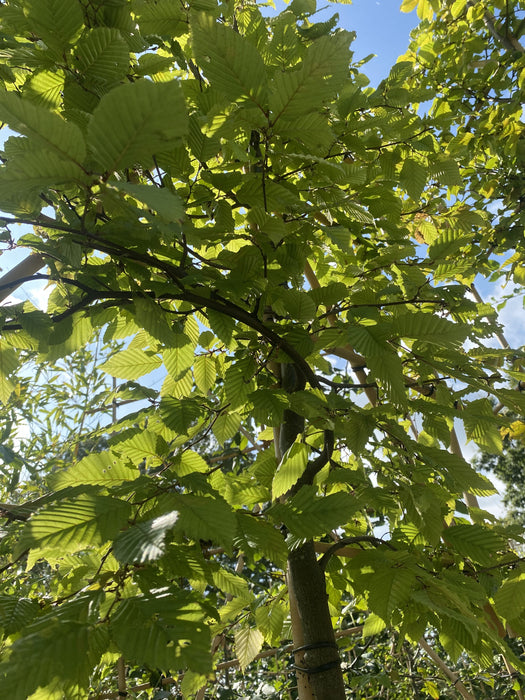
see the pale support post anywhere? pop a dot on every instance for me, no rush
(10, 281)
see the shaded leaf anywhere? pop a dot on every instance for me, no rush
(204, 518)
(179, 414)
(129, 125)
(103, 55)
(165, 629)
(230, 62)
(48, 129)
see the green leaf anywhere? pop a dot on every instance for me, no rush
(430, 328)
(295, 304)
(222, 325)
(63, 648)
(179, 358)
(69, 525)
(131, 364)
(292, 466)
(151, 317)
(446, 172)
(16, 613)
(309, 516)
(408, 5)
(319, 29)
(189, 462)
(269, 405)
(230, 62)
(225, 426)
(204, 148)
(270, 619)
(192, 683)
(161, 18)
(143, 445)
(200, 517)
(481, 426)
(8, 359)
(476, 542)
(413, 177)
(45, 128)
(369, 341)
(55, 21)
(22, 180)
(129, 124)
(460, 475)
(393, 589)
(99, 468)
(448, 243)
(238, 382)
(68, 336)
(302, 7)
(144, 541)
(263, 538)
(373, 625)
(165, 629)
(272, 195)
(179, 414)
(232, 584)
(248, 643)
(205, 373)
(295, 93)
(46, 89)
(103, 56)
(357, 429)
(162, 200)
(8, 362)
(424, 9)
(510, 599)
(458, 8)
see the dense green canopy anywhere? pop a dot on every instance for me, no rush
(218, 198)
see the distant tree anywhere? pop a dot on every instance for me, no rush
(509, 466)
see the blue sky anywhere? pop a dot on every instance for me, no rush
(382, 29)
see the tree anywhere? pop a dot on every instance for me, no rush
(509, 467)
(221, 191)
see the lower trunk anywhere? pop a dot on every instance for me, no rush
(316, 654)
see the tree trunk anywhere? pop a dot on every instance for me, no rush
(316, 654)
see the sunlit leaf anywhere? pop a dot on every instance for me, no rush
(144, 541)
(86, 520)
(248, 643)
(99, 468)
(131, 364)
